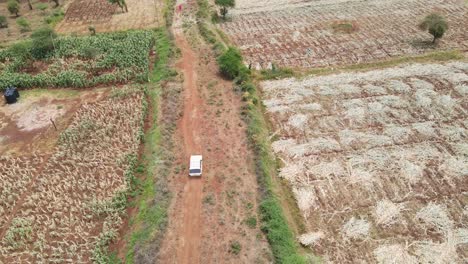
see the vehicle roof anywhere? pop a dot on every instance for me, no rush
(195, 161)
(196, 157)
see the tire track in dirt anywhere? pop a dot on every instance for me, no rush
(188, 251)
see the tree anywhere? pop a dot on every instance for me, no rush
(42, 42)
(3, 22)
(13, 7)
(435, 25)
(30, 5)
(224, 5)
(121, 3)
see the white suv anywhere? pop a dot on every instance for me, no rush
(196, 165)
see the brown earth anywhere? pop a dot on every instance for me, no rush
(207, 214)
(26, 124)
(105, 17)
(35, 17)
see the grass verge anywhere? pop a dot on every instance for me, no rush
(437, 56)
(151, 220)
(273, 221)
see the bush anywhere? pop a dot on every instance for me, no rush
(3, 22)
(55, 17)
(251, 222)
(435, 24)
(23, 24)
(21, 50)
(235, 248)
(13, 7)
(42, 42)
(42, 6)
(230, 64)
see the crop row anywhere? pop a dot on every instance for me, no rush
(80, 61)
(75, 204)
(377, 161)
(304, 35)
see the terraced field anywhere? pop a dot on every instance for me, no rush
(378, 161)
(327, 33)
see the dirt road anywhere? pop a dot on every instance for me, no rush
(188, 251)
(207, 215)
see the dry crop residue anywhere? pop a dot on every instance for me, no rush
(106, 17)
(378, 161)
(301, 33)
(61, 208)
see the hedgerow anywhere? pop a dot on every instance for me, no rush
(81, 61)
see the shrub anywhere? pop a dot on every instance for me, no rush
(224, 5)
(42, 6)
(3, 22)
(23, 24)
(235, 248)
(121, 3)
(92, 30)
(13, 7)
(21, 50)
(251, 222)
(231, 66)
(55, 17)
(435, 24)
(42, 42)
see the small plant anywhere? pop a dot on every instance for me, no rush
(436, 26)
(13, 7)
(19, 232)
(92, 30)
(55, 17)
(251, 222)
(224, 5)
(235, 248)
(209, 200)
(42, 6)
(23, 24)
(121, 3)
(3, 22)
(344, 27)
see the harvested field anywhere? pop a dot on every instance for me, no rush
(26, 124)
(105, 17)
(303, 34)
(377, 161)
(67, 206)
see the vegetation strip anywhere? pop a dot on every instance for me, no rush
(71, 61)
(151, 220)
(274, 223)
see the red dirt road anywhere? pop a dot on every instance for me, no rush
(189, 252)
(207, 215)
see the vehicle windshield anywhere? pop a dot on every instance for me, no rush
(195, 171)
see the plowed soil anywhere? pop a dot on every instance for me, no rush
(105, 17)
